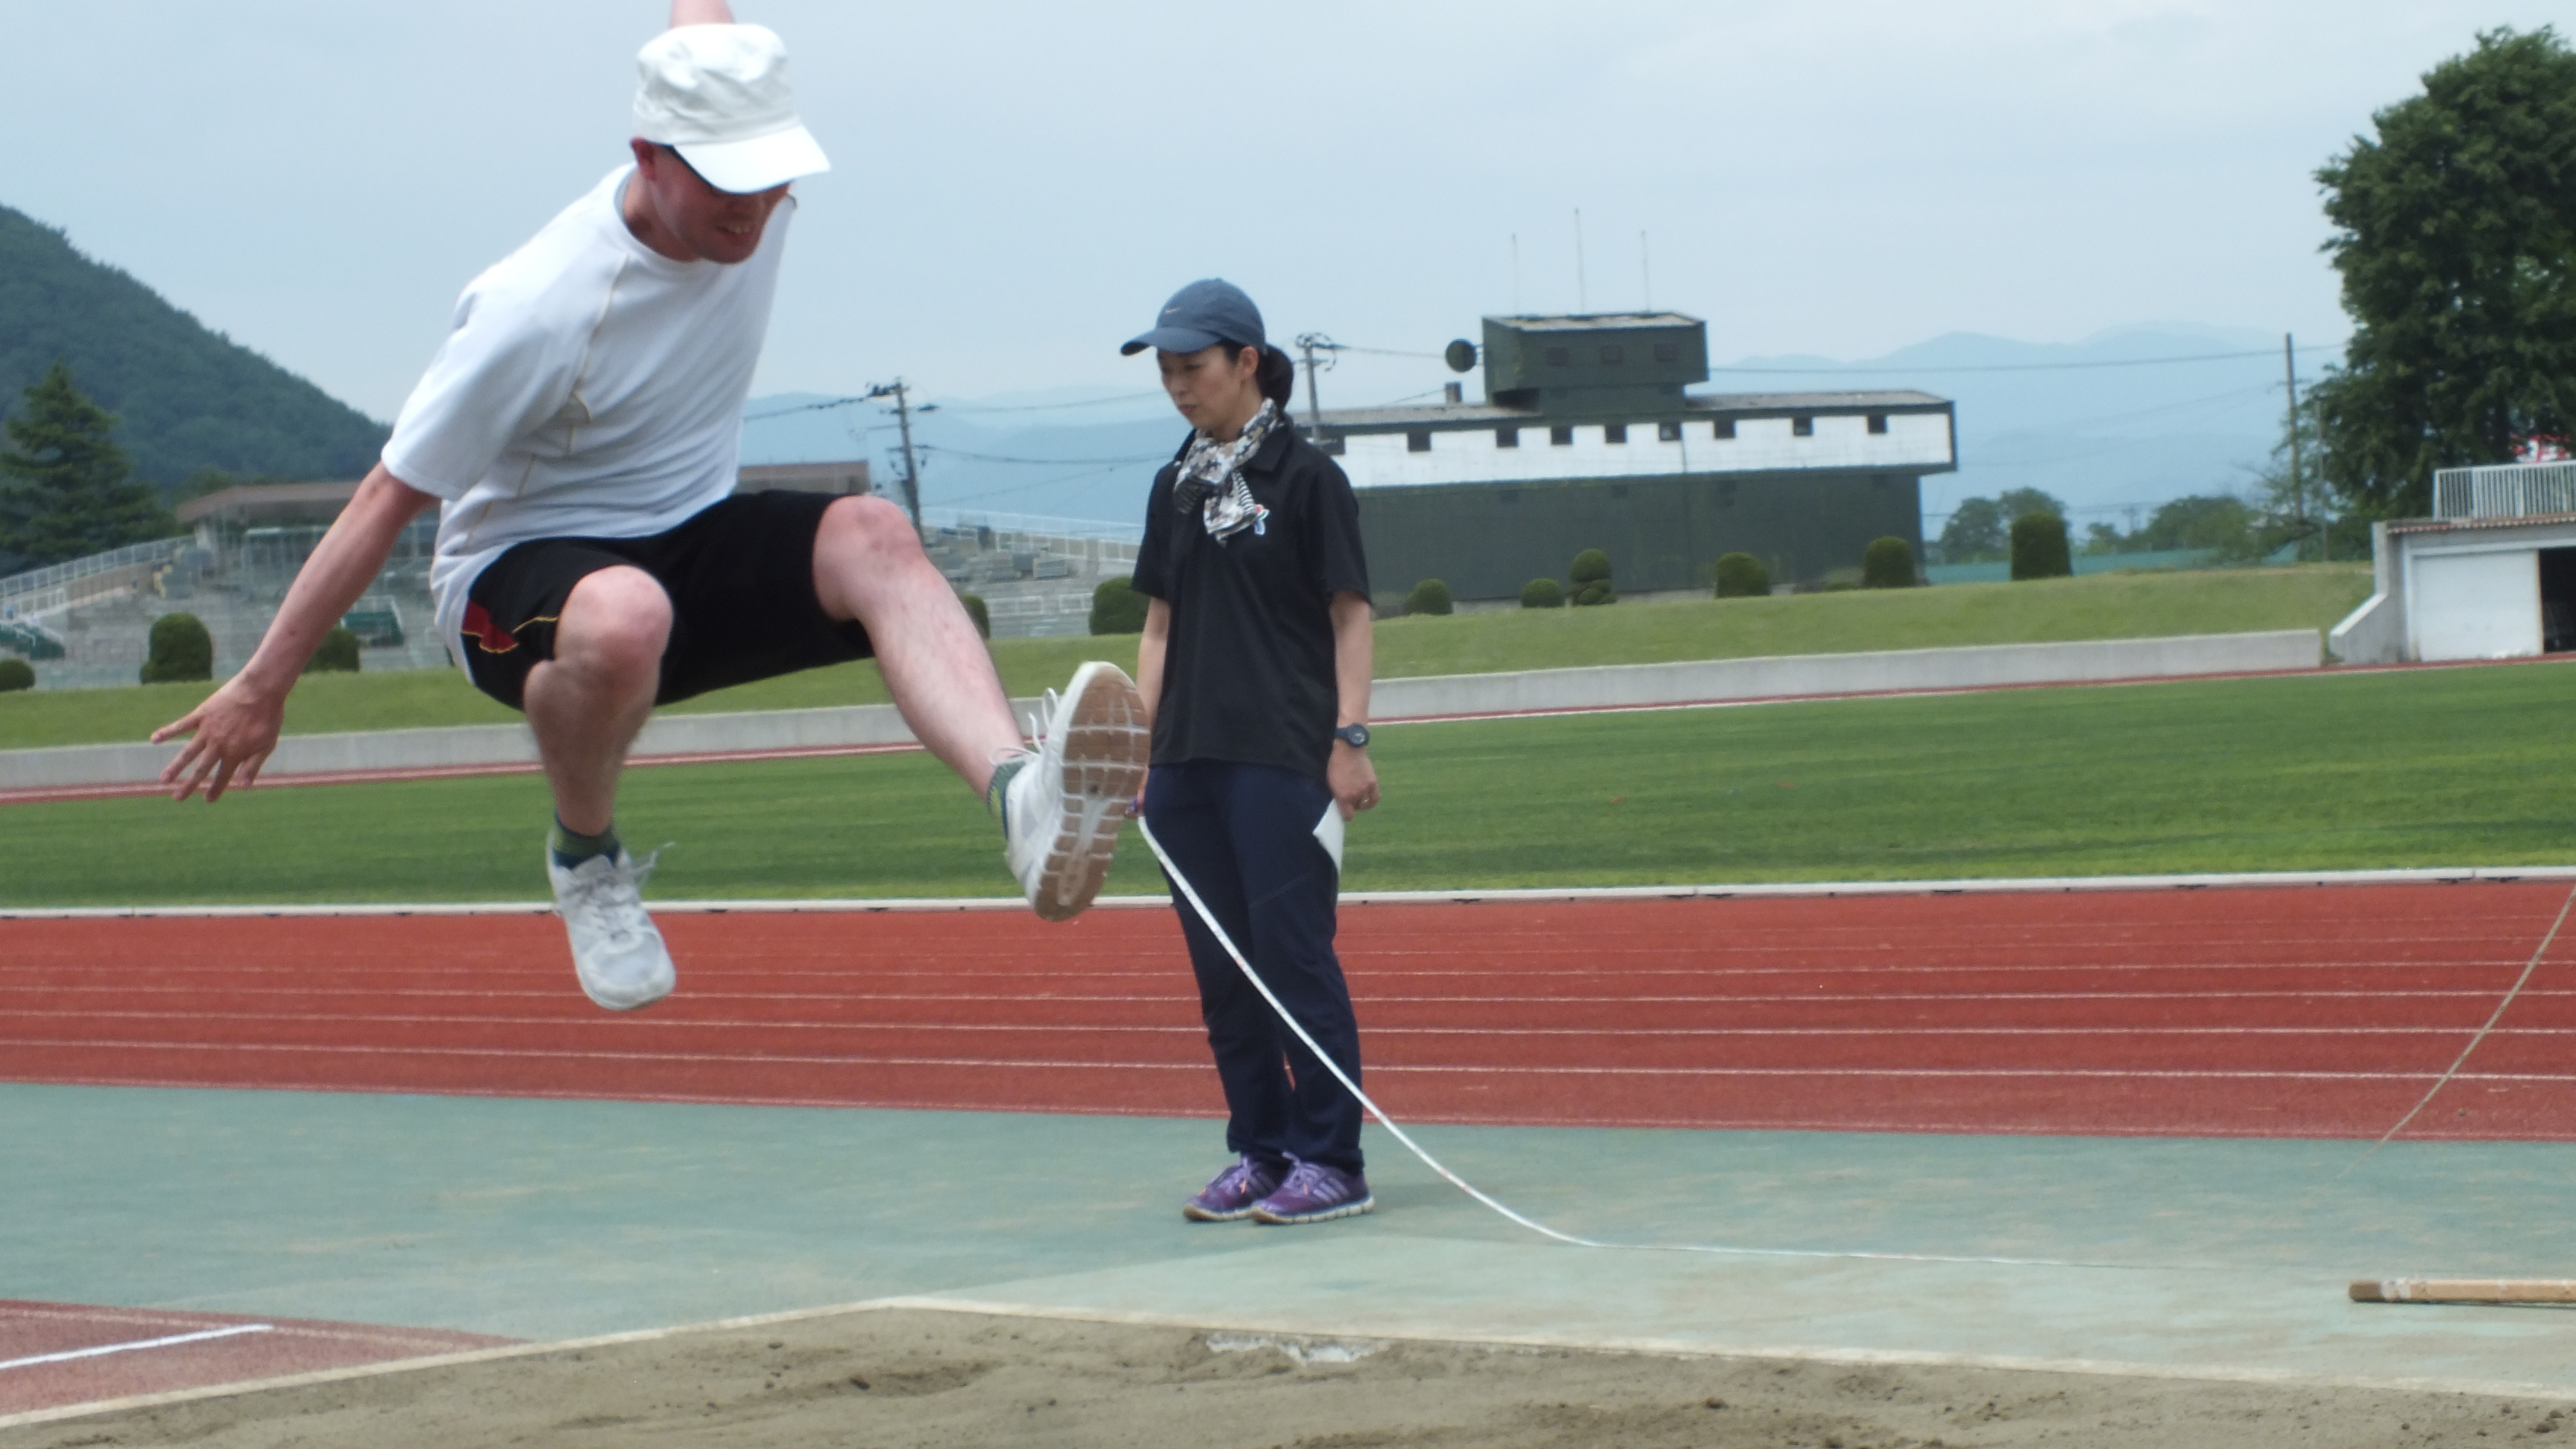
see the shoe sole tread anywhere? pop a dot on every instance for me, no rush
(1105, 749)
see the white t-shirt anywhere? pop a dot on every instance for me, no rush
(589, 387)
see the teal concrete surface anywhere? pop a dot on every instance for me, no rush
(546, 1220)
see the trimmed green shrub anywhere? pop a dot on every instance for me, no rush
(1591, 576)
(2039, 547)
(1542, 594)
(336, 654)
(16, 674)
(983, 616)
(1116, 608)
(179, 648)
(1430, 596)
(1888, 563)
(1742, 576)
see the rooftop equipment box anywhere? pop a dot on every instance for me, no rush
(1592, 361)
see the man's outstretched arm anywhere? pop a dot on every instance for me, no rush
(234, 730)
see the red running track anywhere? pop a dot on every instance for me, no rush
(2315, 1011)
(53, 1354)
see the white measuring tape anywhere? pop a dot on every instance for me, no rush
(1190, 894)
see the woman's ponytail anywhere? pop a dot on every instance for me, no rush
(1277, 378)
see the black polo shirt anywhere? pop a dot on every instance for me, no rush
(1248, 674)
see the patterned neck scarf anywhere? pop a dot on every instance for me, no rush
(1211, 478)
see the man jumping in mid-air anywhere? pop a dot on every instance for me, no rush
(580, 431)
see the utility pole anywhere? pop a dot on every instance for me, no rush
(1311, 343)
(2298, 490)
(911, 466)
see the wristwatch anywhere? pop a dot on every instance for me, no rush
(1354, 735)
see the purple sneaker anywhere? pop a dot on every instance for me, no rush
(1315, 1193)
(1229, 1196)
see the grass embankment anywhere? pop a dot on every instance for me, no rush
(2105, 606)
(2314, 772)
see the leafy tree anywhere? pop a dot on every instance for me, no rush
(2104, 538)
(189, 398)
(1431, 596)
(2457, 244)
(2018, 501)
(65, 489)
(1975, 532)
(2200, 520)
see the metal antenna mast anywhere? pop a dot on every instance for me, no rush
(1582, 296)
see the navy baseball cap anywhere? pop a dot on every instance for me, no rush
(1202, 314)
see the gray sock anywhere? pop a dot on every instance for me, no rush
(571, 847)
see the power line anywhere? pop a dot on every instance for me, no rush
(1097, 402)
(2009, 366)
(1048, 462)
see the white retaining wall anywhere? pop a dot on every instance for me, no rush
(1392, 700)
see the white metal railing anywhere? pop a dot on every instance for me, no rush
(1033, 525)
(2508, 490)
(55, 576)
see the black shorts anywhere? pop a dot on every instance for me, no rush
(741, 580)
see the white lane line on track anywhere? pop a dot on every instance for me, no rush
(172, 1341)
(1060, 1028)
(2046, 885)
(710, 998)
(1391, 1069)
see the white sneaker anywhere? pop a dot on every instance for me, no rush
(616, 949)
(1061, 812)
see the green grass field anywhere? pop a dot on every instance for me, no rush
(2104, 606)
(2410, 768)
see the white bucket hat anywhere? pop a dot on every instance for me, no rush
(718, 95)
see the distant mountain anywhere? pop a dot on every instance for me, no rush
(1087, 454)
(186, 398)
(2111, 425)
(2116, 423)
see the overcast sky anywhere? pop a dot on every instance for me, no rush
(1018, 185)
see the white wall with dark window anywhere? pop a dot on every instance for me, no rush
(1424, 458)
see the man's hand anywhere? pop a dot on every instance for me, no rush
(1352, 778)
(231, 734)
(229, 737)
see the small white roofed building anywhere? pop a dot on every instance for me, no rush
(1586, 438)
(2491, 575)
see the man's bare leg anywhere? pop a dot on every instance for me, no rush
(588, 702)
(868, 566)
(586, 705)
(1061, 812)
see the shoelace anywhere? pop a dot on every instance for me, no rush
(599, 896)
(1305, 1177)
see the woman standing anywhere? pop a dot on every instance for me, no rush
(1255, 672)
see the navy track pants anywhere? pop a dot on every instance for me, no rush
(1244, 835)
